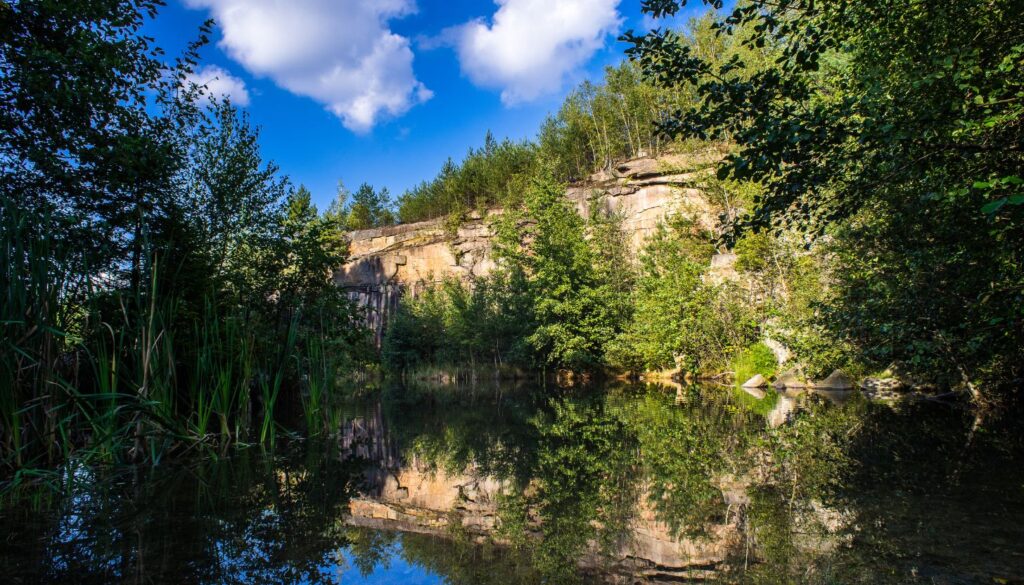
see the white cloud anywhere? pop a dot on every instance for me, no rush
(531, 46)
(340, 53)
(218, 83)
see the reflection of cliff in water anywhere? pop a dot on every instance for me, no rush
(411, 493)
(662, 485)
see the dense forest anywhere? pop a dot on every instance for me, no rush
(164, 286)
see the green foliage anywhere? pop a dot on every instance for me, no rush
(756, 359)
(314, 246)
(680, 319)
(558, 296)
(416, 334)
(895, 129)
(231, 209)
(576, 311)
(617, 119)
(490, 176)
(567, 294)
(599, 124)
(453, 324)
(78, 82)
(160, 278)
(792, 289)
(755, 252)
(368, 208)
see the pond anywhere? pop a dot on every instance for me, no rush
(506, 484)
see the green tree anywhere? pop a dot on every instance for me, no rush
(316, 246)
(601, 123)
(682, 319)
(235, 203)
(574, 311)
(79, 139)
(896, 128)
(369, 208)
(489, 176)
(153, 281)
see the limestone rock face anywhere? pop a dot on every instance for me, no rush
(386, 263)
(414, 253)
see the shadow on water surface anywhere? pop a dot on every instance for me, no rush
(611, 484)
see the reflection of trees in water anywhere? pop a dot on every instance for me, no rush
(855, 492)
(863, 492)
(586, 484)
(588, 468)
(464, 562)
(486, 427)
(243, 519)
(687, 445)
(810, 485)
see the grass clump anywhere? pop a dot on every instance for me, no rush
(755, 359)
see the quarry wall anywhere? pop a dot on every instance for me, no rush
(387, 263)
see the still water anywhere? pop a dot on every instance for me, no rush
(510, 485)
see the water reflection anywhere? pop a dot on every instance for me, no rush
(617, 484)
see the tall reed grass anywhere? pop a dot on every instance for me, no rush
(33, 334)
(100, 373)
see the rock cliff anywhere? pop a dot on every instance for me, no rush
(388, 262)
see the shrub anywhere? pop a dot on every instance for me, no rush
(756, 359)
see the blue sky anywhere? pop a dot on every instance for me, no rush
(383, 91)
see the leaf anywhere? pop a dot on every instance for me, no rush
(994, 206)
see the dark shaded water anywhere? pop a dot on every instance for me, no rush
(618, 484)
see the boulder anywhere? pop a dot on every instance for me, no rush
(882, 385)
(837, 380)
(640, 168)
(757, 381)
(789, 380)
